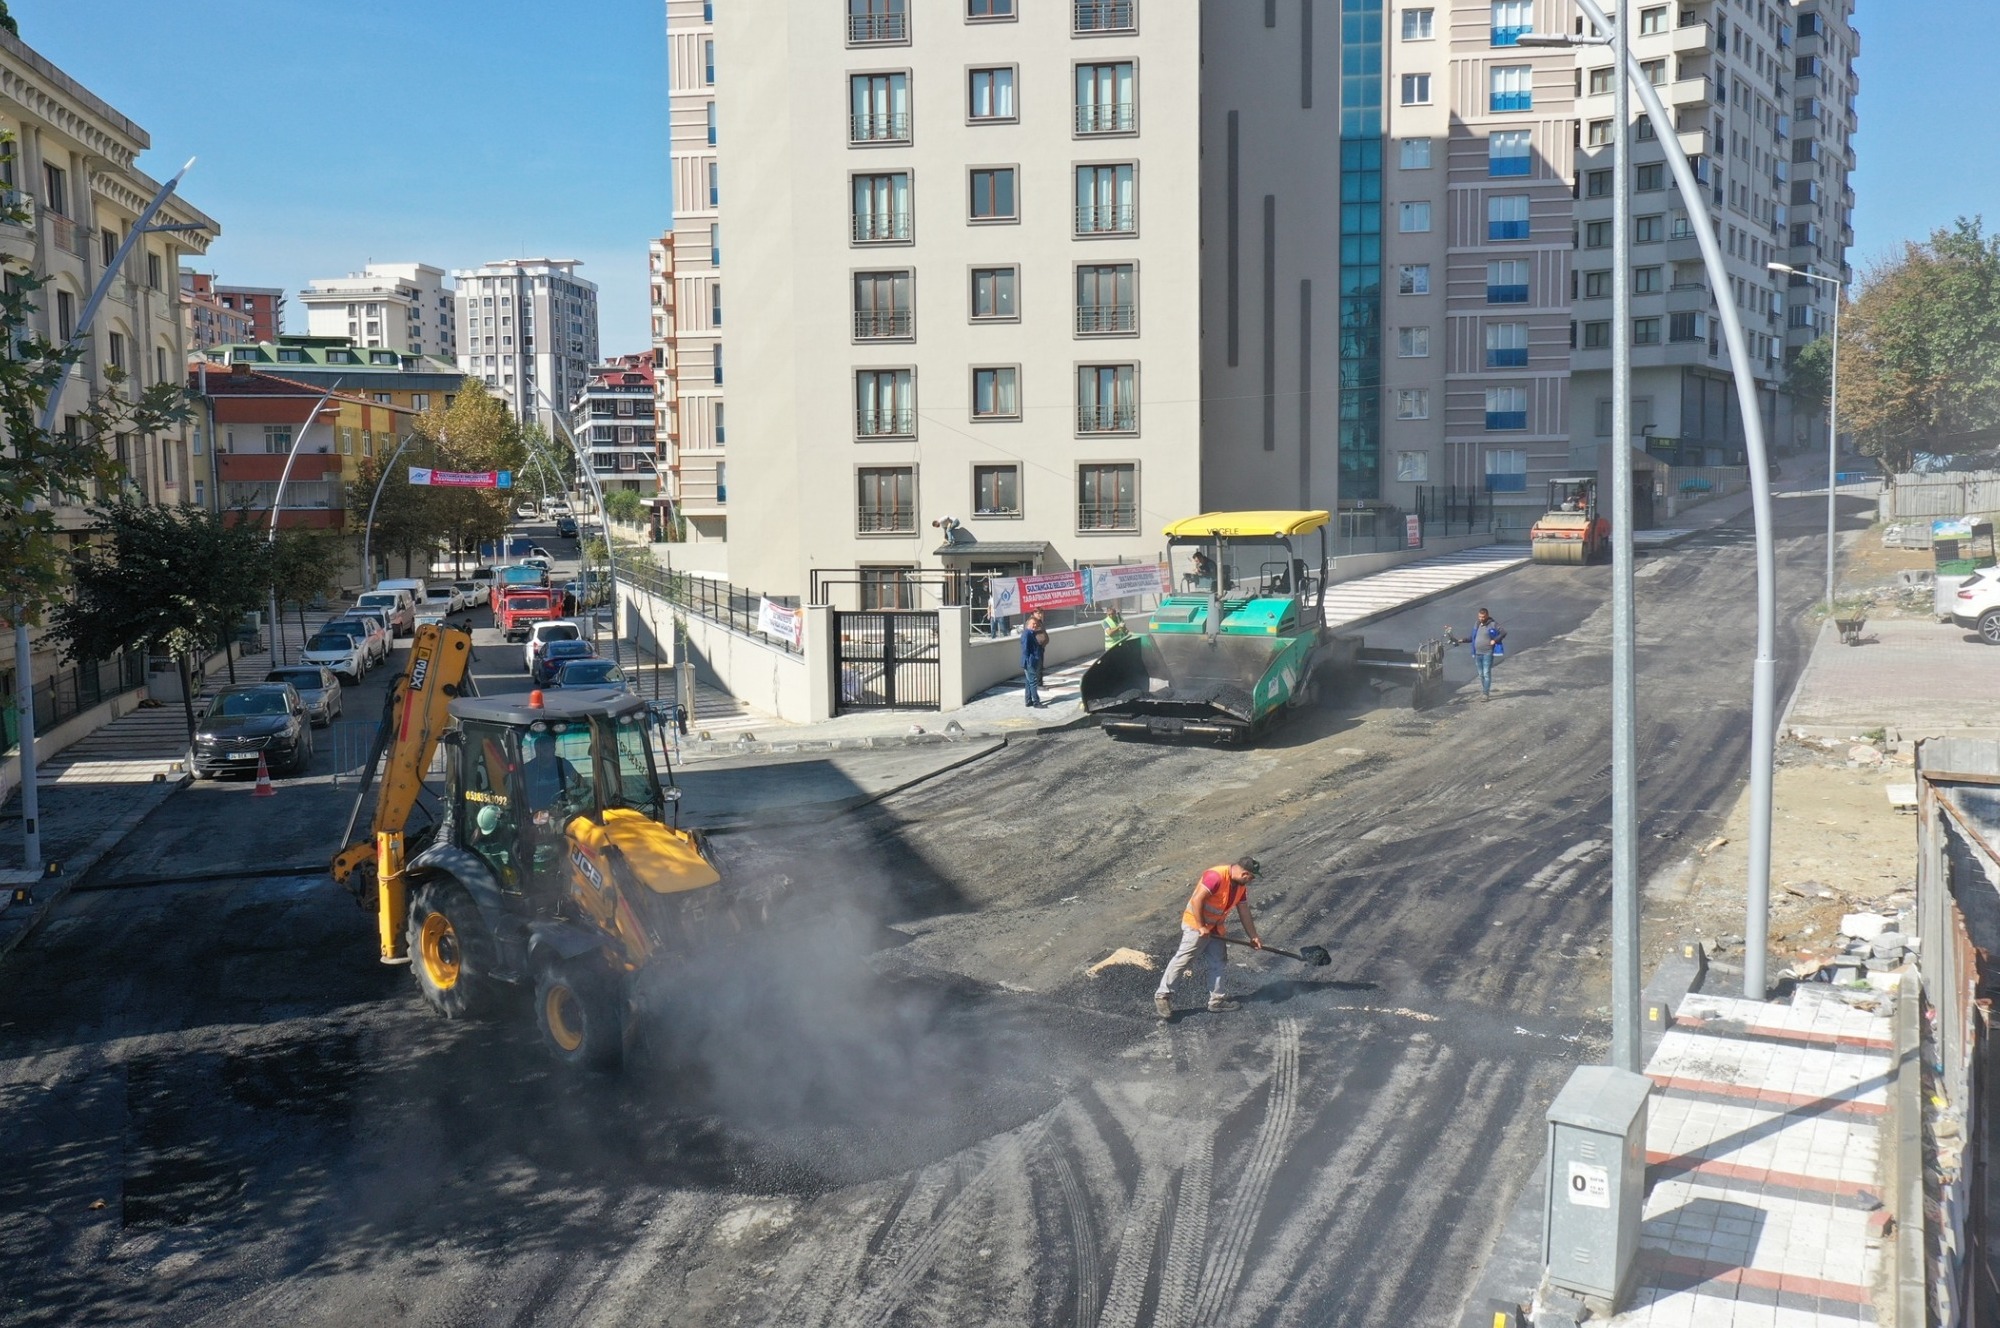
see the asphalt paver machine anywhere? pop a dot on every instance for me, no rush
(552, 858)
(1572, 531)
(1241, 635)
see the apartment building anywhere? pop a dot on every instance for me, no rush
(614, 422)
(527, 327)
(1062, 273)
(205, 320)
(1824, 88)
(404, 307)
(688, 285)
(256, 417)
(264, 306)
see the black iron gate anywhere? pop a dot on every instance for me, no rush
(885, 661)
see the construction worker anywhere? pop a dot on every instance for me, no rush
(1115, 631)
(1202, 924)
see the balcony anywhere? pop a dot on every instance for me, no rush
(1095, 16)
(1114, 118)
(1506, 294)
(268, 467)
(882, 324)
(1697, 91)
(879, 127)
(1107, 219)
(1106, 319)
(1107, 516)
(885, 423)
(1509, 36)
(1501, 102)
(1106, 419)
(882, 228)
(877, 29)
(1507, 230)
(1694, 38)
(67, 236)
(1506, 421)
(885, 520)
(1507, 357)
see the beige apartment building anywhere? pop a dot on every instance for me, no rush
(404, 307)
(527, 328)
(687, 281)
(1059, 273)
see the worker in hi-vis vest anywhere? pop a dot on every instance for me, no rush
(1202, 924)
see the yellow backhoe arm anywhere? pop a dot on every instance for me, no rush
(414, 719)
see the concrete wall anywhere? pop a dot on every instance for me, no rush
(979, 662)
(763, 676)
(703, 557)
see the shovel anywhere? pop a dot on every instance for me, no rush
(1314, 955)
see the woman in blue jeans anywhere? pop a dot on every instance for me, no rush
(1485, 642)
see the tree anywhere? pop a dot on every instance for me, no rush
(177, 578)
(1920, 348)
(305, 564)
(403, 521)
(476, 433)
(625, 505)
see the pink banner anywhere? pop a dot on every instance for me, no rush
(460, 479)
(1056, 590)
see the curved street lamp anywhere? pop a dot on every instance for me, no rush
(1832, 408)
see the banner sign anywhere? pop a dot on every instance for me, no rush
(781, 622)
(1003, 597)
(462, 479)
(1413, 531)
(1106, 584)
(1052, 590)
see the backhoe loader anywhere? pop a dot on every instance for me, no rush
(550, 858)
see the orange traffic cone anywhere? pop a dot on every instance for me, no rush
(263, 789)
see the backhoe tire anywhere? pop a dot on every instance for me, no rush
(581, 1015)
(451, 950)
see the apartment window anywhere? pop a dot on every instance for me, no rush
(55, 181)
(711, 124)
(885, 403)
(1507, 281)
(1647, 281)
(1506, 345)
(1597, 235)
(1653, 21)
(719, 436)
(708, 63)
(1107, 497)
(714, 184)
(1596, 285)
(1511, 88)
(881, 208)
(1645, 331)
(718, 362)
(993, 294)
(1507, 217)
(1600, 81)
(1599, 134)
(1507, 153)
(1106, 200)
(714, 245)
(1090, 16)
(996, 393)
(1413, 279)
(871, 21)
(1654, 71)
(420, 401)
(154, 270)
(990, 94)
(887, 500)
(1506, 408)
(1416, 89)
(107, 240)
(114, 351)
(1419, 24)
(1687, 327)
(1597, 184)
(715, 305)
(1107, 398)
(1596, 336)
(989, 9)
(993, 194)
(1105, 100)
(1413, 403)
(878, 108)
(996, 491)
(1413, 218)
(65, 317)
(277, 439)
(882, 306)
(1649, 230)
(1413, 343)
(1512, 19)
(1416, 154)
(1105, 299)
(1647, 178)
(1507, 469)
(159, 364)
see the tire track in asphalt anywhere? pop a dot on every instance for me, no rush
(626, 1291)
(1230, 1245)
(1138, 1236)
(1188, 1240)
(1083, 1241)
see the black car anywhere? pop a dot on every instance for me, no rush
(556, 654)
(254, 720)
(566, 527)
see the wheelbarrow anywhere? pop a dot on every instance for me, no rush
(1850, 630)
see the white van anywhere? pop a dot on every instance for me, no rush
(415, 586)
(397, 604)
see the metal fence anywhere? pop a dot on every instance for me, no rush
(1448, 509)
(857, 590)
(718, 601)
(1689, 485)
(70, 692)
(1971, 493)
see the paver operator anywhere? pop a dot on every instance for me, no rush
(1202, 924)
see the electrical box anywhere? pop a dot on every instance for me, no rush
(1597, 1180)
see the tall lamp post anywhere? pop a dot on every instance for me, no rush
(603, 517)
(277, 505)
(1832, 408)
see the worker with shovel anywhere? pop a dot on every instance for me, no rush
(1202, 922)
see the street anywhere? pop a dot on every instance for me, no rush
(938, 1092)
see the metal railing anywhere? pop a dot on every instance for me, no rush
(68, 236)
(879, 127)
(72, 691)
(1448, 509)
(885, 520)
(885, 423)
(719, 602)
(1118, 117)
(881, 324)
(1107, 516)
(881, 227)
(1106, 419)
(868, 29)
(1105, 16)
(1107, 219)
(1100, 318)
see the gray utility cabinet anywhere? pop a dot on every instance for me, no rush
(1597, 1180)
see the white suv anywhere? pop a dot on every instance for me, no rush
(561, 629)
(1977, 604)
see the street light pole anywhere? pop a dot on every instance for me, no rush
(277, 502)
(1832, 411)
(603, 517)
(368, 526)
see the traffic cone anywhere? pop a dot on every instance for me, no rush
(263, 789)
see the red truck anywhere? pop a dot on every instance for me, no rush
(518, 608)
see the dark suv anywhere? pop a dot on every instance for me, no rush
(257, 719)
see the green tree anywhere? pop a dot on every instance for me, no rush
(305, 564)
(404, 525)
(625, 505)
(175, 578)
(1920, 348)
(477, 433)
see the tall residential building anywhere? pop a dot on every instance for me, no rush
(404, 307)
(694, 264)
(1064, 273)
(527, 327)
(205, 320)
(694, 475)
(264, 306)
(613, 420)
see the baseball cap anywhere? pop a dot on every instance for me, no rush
(1251, 865)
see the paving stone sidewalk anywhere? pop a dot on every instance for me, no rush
(1911, 675)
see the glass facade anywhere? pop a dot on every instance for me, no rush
(1361, 249)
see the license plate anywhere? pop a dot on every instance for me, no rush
(243, 756)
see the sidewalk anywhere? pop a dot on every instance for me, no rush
(1909, 677)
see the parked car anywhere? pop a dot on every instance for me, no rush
(566, 526)
(415, 587)
(443, 599)
(342, 649)
(397, 604)
(527, 511)
(588, 672)
(1977, 604)
(555, 654)
(541, 633)
(374, 634)
(471, 593)
(266, 719)
(317, 687)
(484, 578)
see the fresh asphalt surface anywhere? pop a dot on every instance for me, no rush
(911, 1104)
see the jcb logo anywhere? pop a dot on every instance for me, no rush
(423, 667)
(588, 867)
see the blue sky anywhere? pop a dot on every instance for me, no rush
(455, 132)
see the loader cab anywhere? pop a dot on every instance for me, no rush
(1252, 572)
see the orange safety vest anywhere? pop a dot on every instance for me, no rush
(1210, 910)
